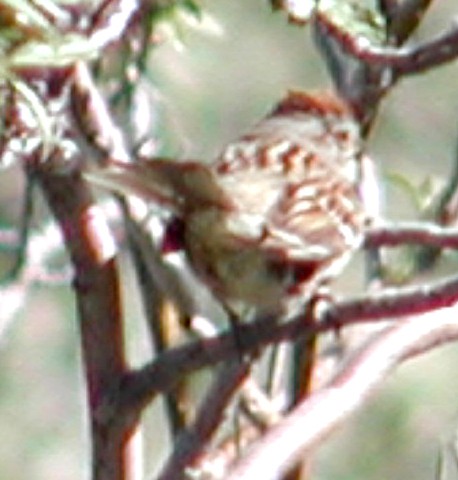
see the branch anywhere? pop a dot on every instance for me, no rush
(96, 284)
(393, 303)
(111, 21)
(99, 136)
(191, 444)
(162, 374)
(400, 61)
(403, 17)
(393, 235)
(42, 245)
(308, 425)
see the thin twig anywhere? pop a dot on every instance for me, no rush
(397, 234)
(193, 442)
(93, 120)
(111, 21)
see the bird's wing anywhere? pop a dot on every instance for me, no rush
(316, 219)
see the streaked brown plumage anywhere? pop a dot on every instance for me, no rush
(275, 215)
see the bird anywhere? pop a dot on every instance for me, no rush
(276, 215)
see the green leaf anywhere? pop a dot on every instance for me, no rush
(360, 18)
(192, 8)
(60, 52)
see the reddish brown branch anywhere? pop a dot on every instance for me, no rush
(431, 235)
(392, 303)
(308, 425)
(400, 61)
(111, 21)
(99, 136)
(96, 285)
(192, 443)
(162, 374)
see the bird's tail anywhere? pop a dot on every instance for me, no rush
(175, 185)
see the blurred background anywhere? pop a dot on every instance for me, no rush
(209, 89)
